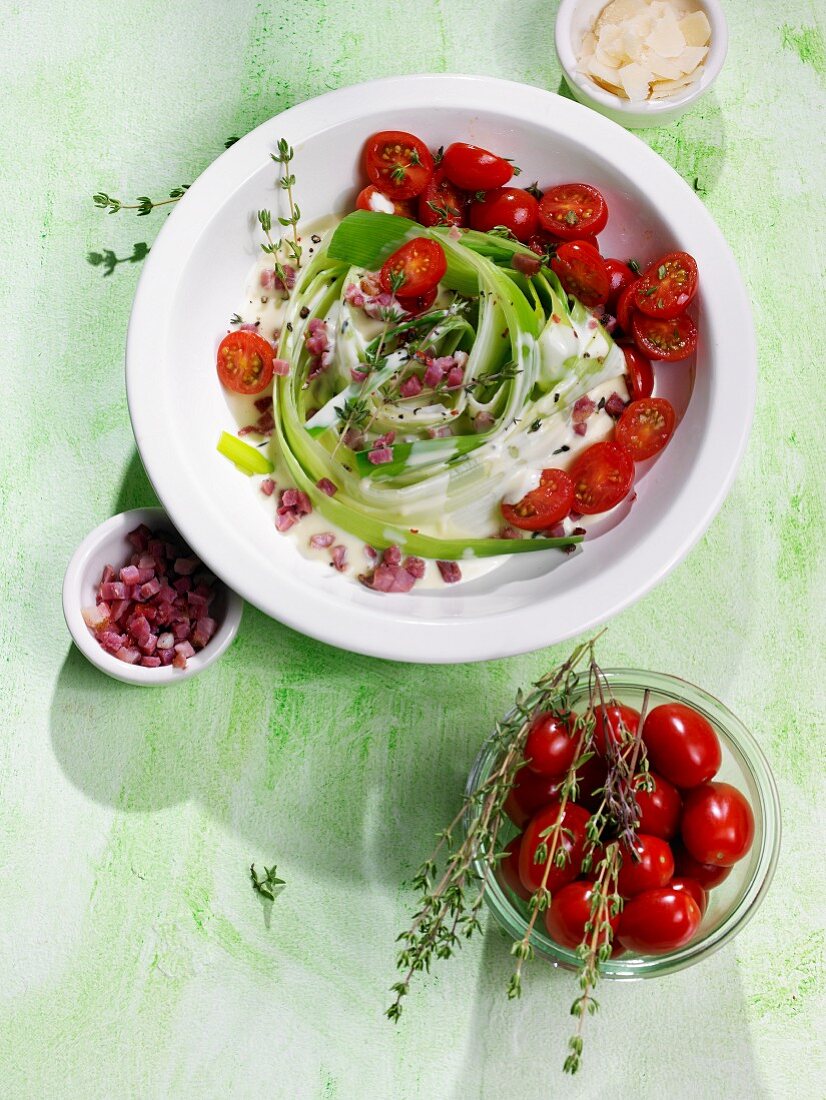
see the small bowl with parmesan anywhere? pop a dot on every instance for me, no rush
(640, 62)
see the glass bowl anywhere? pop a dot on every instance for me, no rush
(731, 904)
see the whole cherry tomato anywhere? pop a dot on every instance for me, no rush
(625, 309)
(658, 921)
(653, 868)
(508, 870)
(515, 209)
(550, 747)
(570, 911)
(681, 744)
(529, 793)
(706, 874)
(717, 826)
(572, 839)
(659, 807)
(639, 375)
(621, 276)
(692, 887)
(617, 721)
(475, 169)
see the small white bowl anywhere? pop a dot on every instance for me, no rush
(575, 17)
(108, 545)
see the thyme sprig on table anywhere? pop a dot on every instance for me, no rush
(143, 204)
(267, 885)
(453, 881)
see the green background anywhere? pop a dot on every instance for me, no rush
(135, 958)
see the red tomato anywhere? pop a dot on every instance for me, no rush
(617, 721)
(572, 211)
(659, 807)
(681, 745)
(667, 286)
(640, 376)
(571, 838)
(529, 793)
(706, 874)
(717, 825)
(691, 886)
(570, 911)
(646, 426)
(666, 340)
(245, 362)
(544, 506)
(625, 309)
(441, 203)
(420, 304)
(413, 269)
(543, 243)
(370, 198)
(658, 921)
(621, 276)
(602, 476)
(509, 206)
(398, 163)
(475, 169)
(590, 780)
(582, 272)
(550, 747)
(508, 871)
(654, 867)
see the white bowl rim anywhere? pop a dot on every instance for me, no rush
(711, 66)
(91, 648)
(359, 628)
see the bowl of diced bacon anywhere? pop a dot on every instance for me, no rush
(142, 607)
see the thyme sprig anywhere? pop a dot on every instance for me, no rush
(143, 204)
(284, 156)
(268, 884)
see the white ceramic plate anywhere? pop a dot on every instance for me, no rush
(193, 280)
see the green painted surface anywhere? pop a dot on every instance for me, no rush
(136, 960)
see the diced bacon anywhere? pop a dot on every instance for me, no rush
(508, 532)
(482, 421)
(180, 587)
(450, 571)
(454, 233)
(556, 532)
(268, 486)
(359, 373)
(139, 537)
(185, 648)
(119, 608)
(440, 432)
(353, 439)
(108, 574)
(293, 505)
(114, 590)
(204, 630)
(434, 373)
(455, 378)
(583, 408)
(270, 281)
(580, 429)
(370, 284)
(615, 406)
(326, 486)
(111, 640)
(284, 520)
(265, 423)
(380, 456)
(138, 627)
(392, 556)
(354, 295)
(180, 631)
(281, 367)
(128, 654)
(339, 556)
(149, 645)
(96, 618)
(151, 588)
(263, 404)
(150, 662)
(411, 386)
(415, 567)
(185, 567)
(370, 553)
(389, 578)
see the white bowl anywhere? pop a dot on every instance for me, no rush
(575, 17)
(193, 280)
(108, 545)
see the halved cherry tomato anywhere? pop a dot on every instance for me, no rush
(640, 374)
(717, 826)
(573, 210)
(508, 871)
(582, 272)
(441, 203)
(529, 793)
(692, 887)
(621, 276)
(550, 747)
(667, 340)
(658, 921)
(667, 286)
(646, 426)
(625, 308)
(602, 476)
(654, 867)
(475, 169)
(245, 362)
(682, 745)
(659, 807)
(570, 911)
(544, 506)
(421, 303)
(414, 268)
(370, 198)
(572, 838)
(706, 874)
(617, 721)
(398, 163)
(512, 207)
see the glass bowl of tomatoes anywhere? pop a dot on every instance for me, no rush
(713, 797)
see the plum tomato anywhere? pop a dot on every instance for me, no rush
(681, 744)
(667, 286)
(475, 169)
(639, 376)
(572, 211)
(658, 921)
(582, 272)
(621, 276)
(511, 207)
(602, 476)
(550, 747)
(570, 911)
(547, 504)
(441, 203)
(413, 269)
(398, 163)
(646, 427)
(370, 198)
(706, 874)
(508, 870)
(717, 826)
(615, 721)
(666, 340)
(692, 886)
(245, 362)
(529, 793)
(625, 309)
(654, 867)
(659, 807)
(572, 838)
